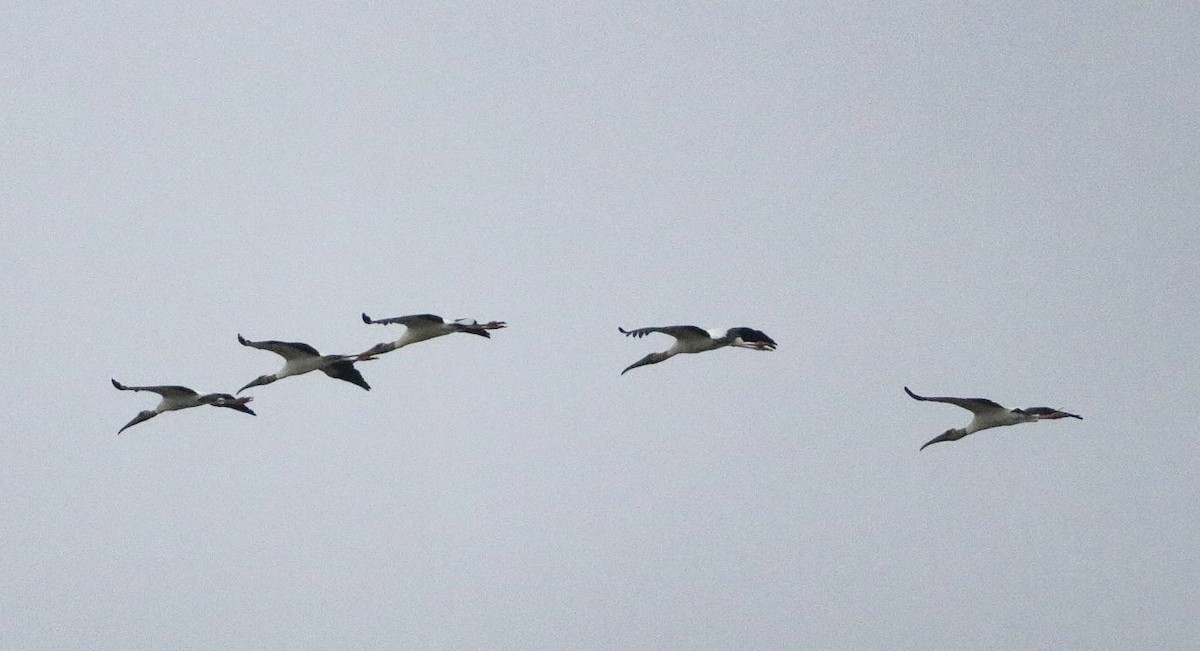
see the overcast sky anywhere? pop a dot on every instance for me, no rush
(968, 200)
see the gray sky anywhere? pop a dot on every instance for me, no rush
(970, 200)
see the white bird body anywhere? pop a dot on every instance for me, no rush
(987, 414)
(422, 327)
(692, 339)
(300, 358)
(175, 397)
(996, 418)
(302, 365)
(686, 344)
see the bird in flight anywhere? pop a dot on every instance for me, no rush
(301, 358)
(988, 414)
(176, 397)
(691, 339)
(419, 327)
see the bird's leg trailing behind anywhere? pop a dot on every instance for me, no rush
(490, 325)
(473, 327)
(371, 353)
(753, 345)
(226, 400)
(1047, 413)
(743, 337)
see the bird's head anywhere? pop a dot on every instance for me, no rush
(369, 354)
(142, 415)
(652, 358)
(258, 382)
(948, 435)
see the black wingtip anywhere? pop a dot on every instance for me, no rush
(242, 340)
(911, 394)
(365, 318)
(624, 331)
(118, 385)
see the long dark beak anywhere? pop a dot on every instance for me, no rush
(648, 359)
(369, 354)
(145, 415)
(948, 435)
(256, 382)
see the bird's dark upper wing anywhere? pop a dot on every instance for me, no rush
(345, 370)
(751, 336)
(974, 405)
(163, 390)
(407, 320)
(285, 349)
(677, 331)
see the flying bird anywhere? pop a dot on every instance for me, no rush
(691, 339)
(301, 358)
(177, 397)
(988, 414)
(420, 327)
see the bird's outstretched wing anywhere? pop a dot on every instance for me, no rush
(285, 349)
(973, 405)
(677, 331)
(409, 320)
(344, 370)
(164, 390)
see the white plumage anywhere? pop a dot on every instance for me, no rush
(692, 339)
(988, 414)
(175, 397)
(421, 327)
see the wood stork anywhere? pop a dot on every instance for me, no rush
(301, 358)
(176, 397)
(988, 414)
(691, 339)
(420, 327)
